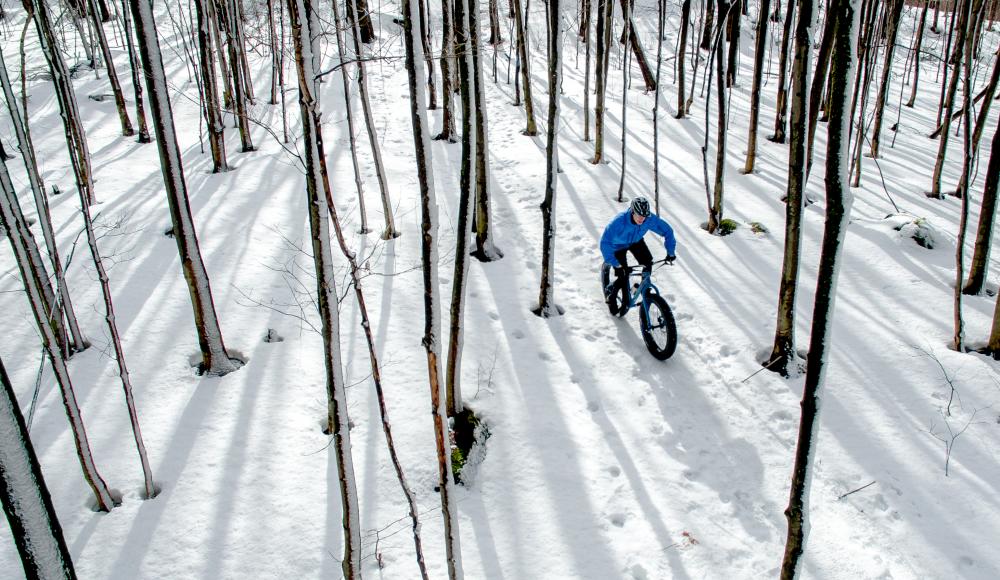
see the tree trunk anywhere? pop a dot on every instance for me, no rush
(706, 35)
(486, 251)
(587, 17)
(78, 342)
(758, 73)
(783, 351)
(109, 63)
(893, 14)
(50, 343)
(640, 55)
(210, 105)
(214, 358)
(681, 50)
(782, 98)
(448, 76)
(733, 33)
(352, 141)
(950, 96)
(816, 100)
(715, 217)
(838, 207)
(605, 10)
(546, 293)
(495, 36)
(958, 342)
(429, 230)
(25, 497)
(317, 192)
(917, 44)
(626, 70)
(237, 55)
(390, 231)
(75, 135)
(522, 55)
(987, 215)
(660, 18)
(365, 20)
(116, 343)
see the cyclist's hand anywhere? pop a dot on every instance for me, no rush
(670, 259)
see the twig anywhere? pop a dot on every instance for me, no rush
(855, 490)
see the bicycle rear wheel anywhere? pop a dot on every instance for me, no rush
(659, 331)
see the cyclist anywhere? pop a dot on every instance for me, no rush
(624, 234)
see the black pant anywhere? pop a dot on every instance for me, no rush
(640, 251)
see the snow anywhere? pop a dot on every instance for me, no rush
(602, 462)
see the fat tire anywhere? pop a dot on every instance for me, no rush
(656, 307)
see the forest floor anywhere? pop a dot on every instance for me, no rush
(601, 461)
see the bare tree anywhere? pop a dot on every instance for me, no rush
(838, 208)
(317, 191)
(77, 341)
(758, 73)
(963, 29)
(390, 230)
(214, 358)
(781, 103)
(917, 44)
(987, 216)
(605, 10)
(428, 254)
(523, 58)
(448, 76)
(783, 351)
(681, 51)
(486, 250)
(546, 294)
(209, 84)
(958, 342)
(50, 344)
(26, 502)
(716, 206)
(894, 12)
(109, 63)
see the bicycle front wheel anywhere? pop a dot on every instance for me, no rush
(659, 331)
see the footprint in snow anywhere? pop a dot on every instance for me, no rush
(517, 334)
(593, 406)
(617, 520)
(615, 471)
(494, 316)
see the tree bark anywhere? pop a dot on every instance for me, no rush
(109, 63)
(428, 253)
(715, 216)
(546, 293)
(51, 345)
(758, 73)
(838, 207)
(987, 216)
(605, 10)
(215, 359)
(210, 106)
(782, 98)
(681, 50)
(317, 193)
(892, 18)
(448, 76)
(917, 44)
(531, 129)
(783, 351)
(25, 497)
(486, 250)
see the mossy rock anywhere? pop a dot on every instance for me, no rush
(468, 433)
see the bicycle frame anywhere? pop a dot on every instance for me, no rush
(637, 292)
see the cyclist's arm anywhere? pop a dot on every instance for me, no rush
(661, 227)
(607, 250)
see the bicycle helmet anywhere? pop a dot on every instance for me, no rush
(640, 206)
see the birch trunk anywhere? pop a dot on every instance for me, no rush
(838, 208)
(215, 359)
(317, 192)
(25, 497)
(546, 293)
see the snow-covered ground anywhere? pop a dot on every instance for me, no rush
(601, 462)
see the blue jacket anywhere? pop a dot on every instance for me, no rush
(622, 232)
